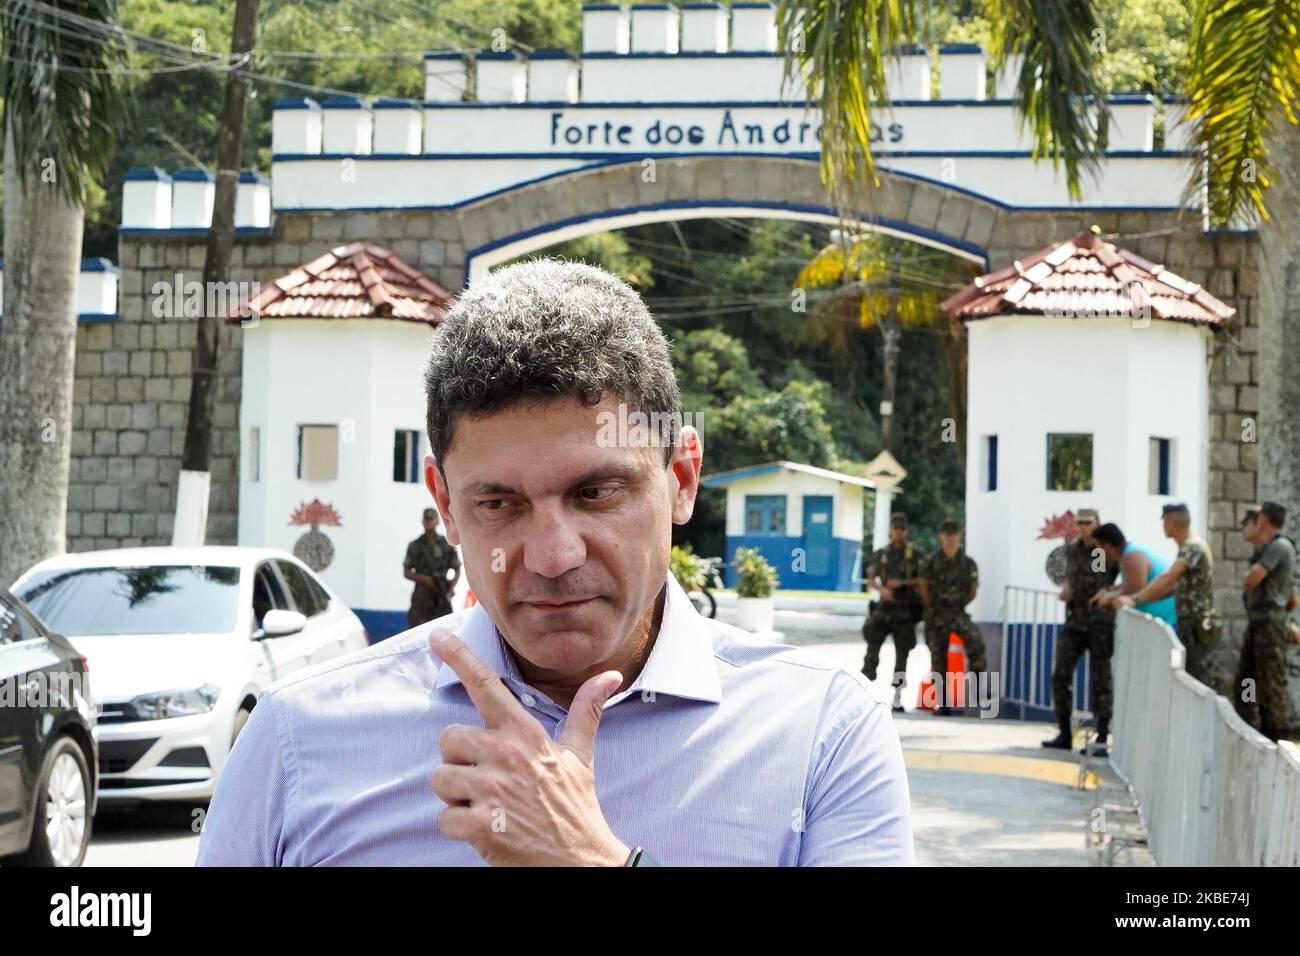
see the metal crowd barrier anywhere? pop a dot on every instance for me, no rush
(1212, 790)
(1031, 623)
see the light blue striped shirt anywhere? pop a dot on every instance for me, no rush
(726, 750)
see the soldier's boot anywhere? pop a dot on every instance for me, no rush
(899, 680)
(1063, 740)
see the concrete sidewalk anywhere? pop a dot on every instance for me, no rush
(984, 791)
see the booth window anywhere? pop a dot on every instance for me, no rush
(765, 514)
(990, 462)
(318, 452)
(406, 456)
(255, 454)
(1160, 467)
(1069, 462)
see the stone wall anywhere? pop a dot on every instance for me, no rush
(132, 385)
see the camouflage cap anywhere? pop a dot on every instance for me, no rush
(950, 527)
(1087, 514)
(898, 520)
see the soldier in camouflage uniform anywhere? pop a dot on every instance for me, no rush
(1198, 625)
(428, 559)
(949, 580)
(1087, 628)
(1269, 585)
(893, 571)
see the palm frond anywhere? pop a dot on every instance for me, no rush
(1243, 80)
(840, 48)
(64, 104)
(1061, 97)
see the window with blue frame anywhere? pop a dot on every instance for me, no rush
(406, 456)
(765, 514)
(1160, 466)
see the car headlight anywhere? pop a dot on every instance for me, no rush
(175, 703)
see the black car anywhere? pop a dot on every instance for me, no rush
(48, 758)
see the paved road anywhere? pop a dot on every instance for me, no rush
(983, 791)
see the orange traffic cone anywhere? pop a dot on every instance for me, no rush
(956, 670)
(928, 696)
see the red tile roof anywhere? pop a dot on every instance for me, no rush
(1087, 277)
(355, 281)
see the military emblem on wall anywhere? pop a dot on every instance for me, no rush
(1061, 526)
(314, 548)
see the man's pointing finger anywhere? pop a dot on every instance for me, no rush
(493, 700)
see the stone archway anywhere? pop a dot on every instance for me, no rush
(520, 220)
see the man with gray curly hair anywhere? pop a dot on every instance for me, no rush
(582, 712)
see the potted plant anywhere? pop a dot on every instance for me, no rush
(687, 567)
(755, 581)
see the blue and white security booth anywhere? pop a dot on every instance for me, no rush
(806, 521)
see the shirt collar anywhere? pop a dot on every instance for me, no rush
(680, 664)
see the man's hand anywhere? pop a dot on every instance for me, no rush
(1123, 600)
(886, 593)
(513, 794)
(894, 584)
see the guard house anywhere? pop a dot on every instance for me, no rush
(331, 422)
(806, 521)
(1087, 386)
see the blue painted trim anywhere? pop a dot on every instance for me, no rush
(497, 56)
(721, 481)
(905, 228)
(89, 318)
(343, 103)
(653, 6)
(98, 264)
(295, 103)
(393, 103)
(1131, 98)
(188, 231)
(253, 176)
(138, 174)
(550, 54)
(603, 7)
(191, 174)
(700, 104)
(643, 154)
(911, 49)
(960, 48)
(700, 6)
(445, 55)
(752, 6)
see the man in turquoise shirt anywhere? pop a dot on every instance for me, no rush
(1138, 566)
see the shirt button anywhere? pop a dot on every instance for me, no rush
(529, 700)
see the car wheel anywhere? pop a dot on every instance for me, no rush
(61, 831)
(241, 718)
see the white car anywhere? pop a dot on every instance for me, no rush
(179, 643)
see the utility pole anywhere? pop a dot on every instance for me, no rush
(195, 478)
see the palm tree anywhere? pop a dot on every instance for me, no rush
(64, 106)
(1243, 81)
(880, 282)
